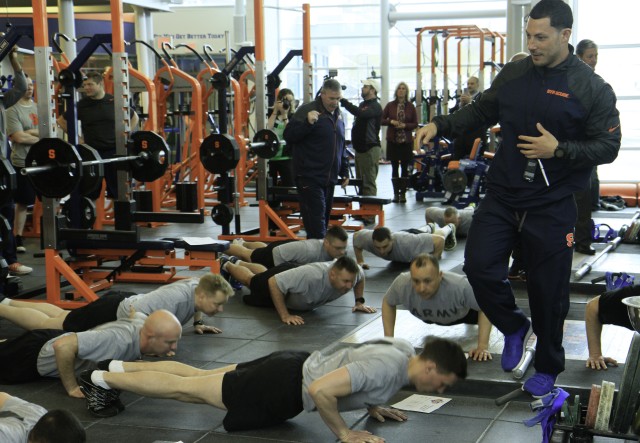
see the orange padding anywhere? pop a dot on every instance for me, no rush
(474, 149)
(489, 155)
(628, 191)
(454, 164)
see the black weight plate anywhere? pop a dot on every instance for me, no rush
(65, 162)
(91, 175)
(87, 212)
(222, 214)
(219, 153)
(155, 165)
(416, 183)
(269, 143)
(454, 181)
(8, 182)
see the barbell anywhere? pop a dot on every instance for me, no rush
(56, 168)
(220, 153)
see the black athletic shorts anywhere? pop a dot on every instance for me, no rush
(19, 356)
(611, 310)
(95, 313)
(264, 256)
(24, 192)
(263, 392)
(259, 286)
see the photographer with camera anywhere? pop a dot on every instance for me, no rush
(282, 165)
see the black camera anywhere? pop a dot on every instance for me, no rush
(286, 103)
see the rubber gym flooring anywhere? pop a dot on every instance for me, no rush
(471, 415)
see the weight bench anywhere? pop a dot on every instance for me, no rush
(148, 261)
(367, 206)
(343, 206)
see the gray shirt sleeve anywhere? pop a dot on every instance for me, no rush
(18, 418)
(177, 298)
(407, 246)
(400, 290)
(300, 252)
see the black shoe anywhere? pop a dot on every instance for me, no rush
(586, 250)
(20, 244)
(104, 364)
(100, 402)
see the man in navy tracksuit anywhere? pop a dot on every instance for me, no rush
(316, 134)
(558, 120)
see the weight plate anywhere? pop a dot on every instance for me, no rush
(222, 214)
(416, 183)
(87, 213)
(8, 182)
(65, 164)
(155, 164)
(265, 143)
(454, 181)
(92, 175)
(219, 153)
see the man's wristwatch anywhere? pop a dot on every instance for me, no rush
(198, 323)
(360, 300)
(559, 152)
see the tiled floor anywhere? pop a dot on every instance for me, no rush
(249, 332)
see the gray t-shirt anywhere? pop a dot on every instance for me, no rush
(307, 287)
(378, 370)
(177, 298)
(451, 303)
(465, 215)
(10, 98)
(21, 118)
(300, 252)
(405, 246)
(119, 340)
(17, 418)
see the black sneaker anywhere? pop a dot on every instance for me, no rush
(100, 402)
(235, 284)
(104, 364)
(20, 244)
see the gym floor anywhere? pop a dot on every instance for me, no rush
(471, 415)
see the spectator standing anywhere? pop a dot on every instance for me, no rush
(281, 166)
(365, 135)
(545, 157)
(401, 118)
(316, 134)
(22, 129)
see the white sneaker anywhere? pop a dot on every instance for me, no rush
(19, 269)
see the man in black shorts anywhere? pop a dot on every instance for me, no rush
(296, 252)
(272, 389)
(300, 288)
(56, 353)
(606, 309)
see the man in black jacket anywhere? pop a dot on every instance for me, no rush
(365, 135)
(316, 134)
(558, 120)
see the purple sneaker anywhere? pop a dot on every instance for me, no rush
(514, 346)
(540, 384)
